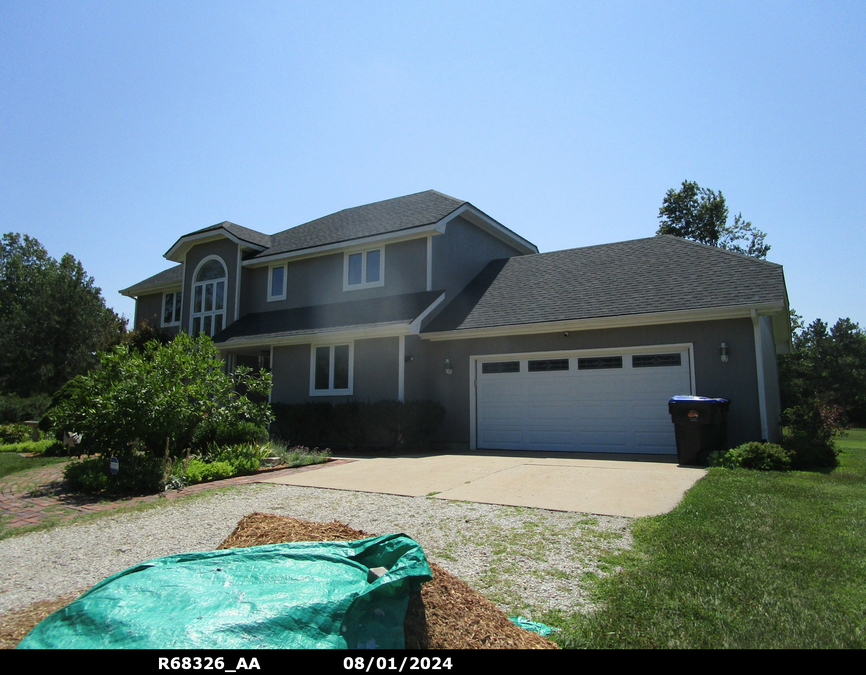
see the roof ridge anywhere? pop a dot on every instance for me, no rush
(739, 255)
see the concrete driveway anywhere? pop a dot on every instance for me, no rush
(632, 487)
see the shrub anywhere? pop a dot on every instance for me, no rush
(298, 455)
(244, 458)
(307, 423)
(154, 400)
(388, 424)
(809, 432)
(138, 475)
(198, 471)
(16, 409)
(754, 455)
(223, 432)
(14, 433)
(48, 447)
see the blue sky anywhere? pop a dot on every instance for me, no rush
(125, 125)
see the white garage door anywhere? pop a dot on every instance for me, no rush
(580, 402)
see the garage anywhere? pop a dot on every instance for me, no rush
(580, 401)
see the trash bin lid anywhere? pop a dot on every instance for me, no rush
(697, 399)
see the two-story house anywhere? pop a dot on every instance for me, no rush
(426, 297)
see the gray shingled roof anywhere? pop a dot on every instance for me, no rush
(373, 313)
(658, 274)
(391, 215)
(167, 277)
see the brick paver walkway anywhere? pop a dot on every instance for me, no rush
(34, 496)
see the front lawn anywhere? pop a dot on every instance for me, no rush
(748, 560)
(12, 463)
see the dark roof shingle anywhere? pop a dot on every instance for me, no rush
(171, 276)
(657, 274)
(390, 215)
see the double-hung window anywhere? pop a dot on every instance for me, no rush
(277, 283)
(331, 369)
(171, 309)
(364, 269)
(209, 298)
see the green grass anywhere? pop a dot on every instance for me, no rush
(12, 463)
(748, 560)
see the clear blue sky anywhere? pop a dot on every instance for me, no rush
(125, 124)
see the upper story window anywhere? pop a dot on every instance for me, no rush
(171, 309)
(277, 283)
(364, 269)
(209, 297)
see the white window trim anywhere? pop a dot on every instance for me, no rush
(330, 391)
(165, 295)
(364, 284)
(213, 313)
(282, 294)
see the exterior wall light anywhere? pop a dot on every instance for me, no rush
(448, 366)
(723, 352)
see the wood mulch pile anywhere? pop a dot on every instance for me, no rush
(447, 614)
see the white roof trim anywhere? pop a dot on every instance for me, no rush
(185, 242)
(415, 326)
(348, 333)
(150, 290)
(647, 319)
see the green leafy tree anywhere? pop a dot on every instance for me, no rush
(153, 400)
(53, 319)
(701, 214)
(827, 365)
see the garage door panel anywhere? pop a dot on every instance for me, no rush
(605, 410)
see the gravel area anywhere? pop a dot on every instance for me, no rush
(524, 560)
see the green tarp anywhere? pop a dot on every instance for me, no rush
(302, 595)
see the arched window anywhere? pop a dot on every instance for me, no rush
(209, 298)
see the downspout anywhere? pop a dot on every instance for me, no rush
(759, 361)
(401, 368)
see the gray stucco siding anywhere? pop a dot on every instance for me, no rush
(735, 380)
(290, 368)
(375, 373)
(319, 280)
(148, 308)
(461, 253)
(227, 251)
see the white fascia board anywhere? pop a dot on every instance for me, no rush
(276, 340)
(360, 243)
(497, 229)
(649, 319)
(188, 240)
(150, 290)
(415, 326)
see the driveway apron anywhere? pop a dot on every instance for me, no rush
(611, 487)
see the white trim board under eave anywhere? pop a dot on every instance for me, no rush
(649, 319)
(394, 330)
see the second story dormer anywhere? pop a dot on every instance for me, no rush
(419, 243)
